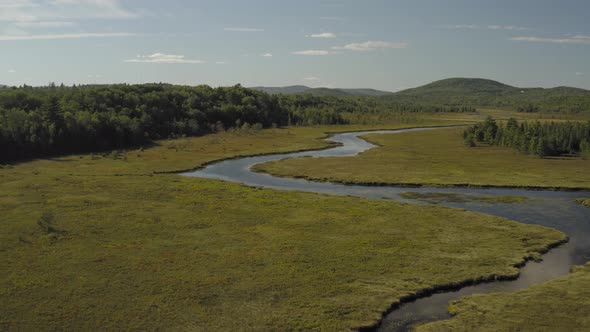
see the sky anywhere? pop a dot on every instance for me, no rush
(383, 44)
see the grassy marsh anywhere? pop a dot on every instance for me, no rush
(438, 158)
(557, 305)
(436, 198)
(102, 242)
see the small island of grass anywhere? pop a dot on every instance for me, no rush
(584, 201)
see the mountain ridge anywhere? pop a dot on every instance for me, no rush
(454, 85)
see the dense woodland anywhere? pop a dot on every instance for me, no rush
(541, 139)
(58, 119)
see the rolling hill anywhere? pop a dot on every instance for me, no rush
(484, 92)
(300, 89)
(459, 92)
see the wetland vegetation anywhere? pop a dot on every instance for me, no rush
(584, 201)
(94, 241)
(438, 158)
(436, 198)
(557, 305)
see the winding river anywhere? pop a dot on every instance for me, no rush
(555, 209)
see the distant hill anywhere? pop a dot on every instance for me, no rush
(286, 90)
(460, 86)
(460, 92)
(300, 89)
(484, 92)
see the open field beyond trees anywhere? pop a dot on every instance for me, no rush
(100, 241)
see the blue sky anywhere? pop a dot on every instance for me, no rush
(382, 44)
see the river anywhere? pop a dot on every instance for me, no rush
(555, 209)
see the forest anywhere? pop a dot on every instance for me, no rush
(535, 138)
(38, 121)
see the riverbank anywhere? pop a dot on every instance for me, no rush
(438, 158)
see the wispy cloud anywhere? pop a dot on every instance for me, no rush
(311, 79)
(579, 73)
(221, 62)
(164, 58)
(11, 71)
(66, 36)
(45, 24)
(322, 35)
(579, 39)
(266, 55)
(312, 52)
(370, 45)
(243, 29)
(59, 10)
(486, 27)
(332, 18)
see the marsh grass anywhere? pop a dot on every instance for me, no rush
(147, 251)
(584, 202)
(557, 305)
(436, 198)
(438, 158)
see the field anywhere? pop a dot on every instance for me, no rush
(439, 158)
(557, 305)
(110, 242)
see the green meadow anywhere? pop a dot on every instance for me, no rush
(438, 158)
(111, 241)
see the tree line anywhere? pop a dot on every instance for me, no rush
(37, 121)
(537, 138)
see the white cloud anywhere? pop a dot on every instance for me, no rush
(243, 29)
(311, 79)
(56, 10)
(12, 71)
(578, 73)
(323, 35)
(486, 27)
(44, 24)
(66, 36)
(164, 58)
(579, 39)
(266, 55)
(312, 52)
(370, 46)
(220, 62)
